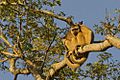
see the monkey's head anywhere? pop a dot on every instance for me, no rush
(75, 29)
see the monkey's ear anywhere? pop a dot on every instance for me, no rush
(81, 22)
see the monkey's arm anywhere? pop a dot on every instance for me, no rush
(67, 41)
(68, 45)
(88, 34)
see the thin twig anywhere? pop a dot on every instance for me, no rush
(3, 60)
(46, 54)
(5, 40)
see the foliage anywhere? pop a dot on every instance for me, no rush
(37, 34)
(105, 68)
(111, 24)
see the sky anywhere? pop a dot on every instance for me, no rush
(89, 11)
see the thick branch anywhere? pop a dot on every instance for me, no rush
(30, 63)
(33, 70)
(114, 41)
(67, 20)
(36, 74)
(55, 68)
(94, 47)
(16, 71)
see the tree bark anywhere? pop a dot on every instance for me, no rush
(115, 41)
(55, 69)
(95, 47)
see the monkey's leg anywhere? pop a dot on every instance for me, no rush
(70, 55)
(78, 61)
(70, 64)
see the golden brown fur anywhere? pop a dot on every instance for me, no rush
(78, 35)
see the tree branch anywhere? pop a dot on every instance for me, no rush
(16, 71)
(55, 69)
(9, 54)
(15, 50)
(3, 38)
(46, 52)
(95, 47)
(30, 63)
(36, 74)
(67, 20)
(33, 70)
(115, 41)
(5, 59)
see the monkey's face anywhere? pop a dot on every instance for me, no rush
(75, 30)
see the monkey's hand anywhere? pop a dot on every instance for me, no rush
(76, 52)
(69, 53)
(71, 65)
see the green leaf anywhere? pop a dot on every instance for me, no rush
(28, 46)
(1, 48)
(58, 2)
